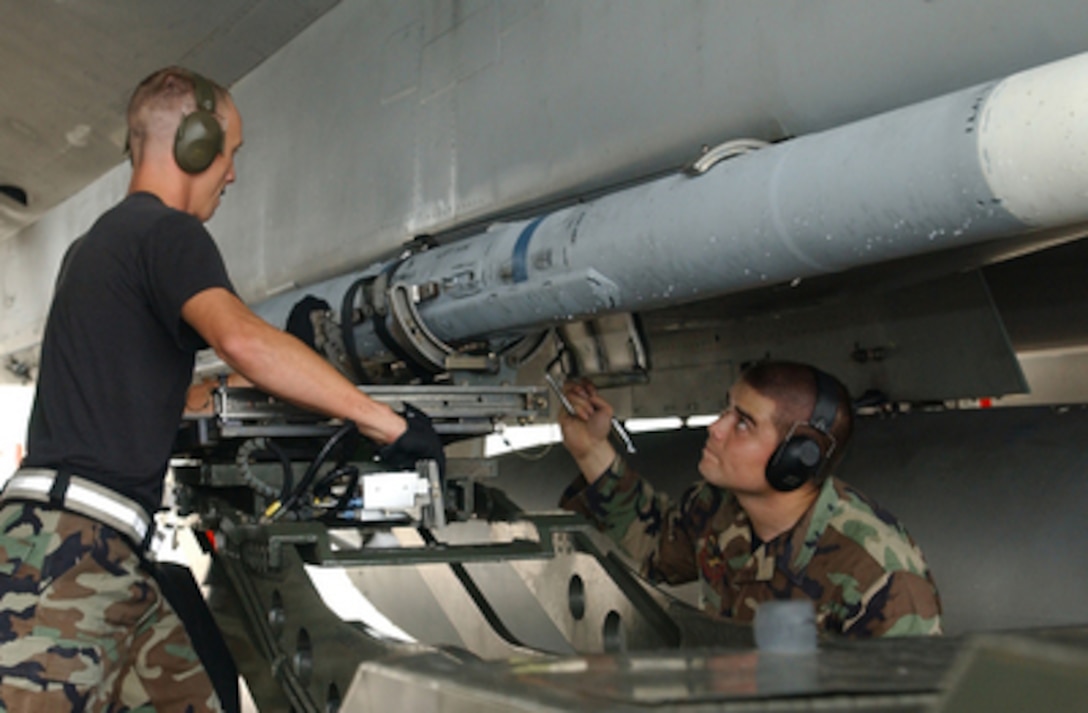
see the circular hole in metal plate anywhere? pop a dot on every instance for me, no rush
(576, 597)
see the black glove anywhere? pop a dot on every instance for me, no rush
(419, 442)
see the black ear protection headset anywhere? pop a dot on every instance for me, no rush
(800, 457)
(200, 137)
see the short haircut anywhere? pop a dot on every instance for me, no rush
(158, 104)
(792, 386)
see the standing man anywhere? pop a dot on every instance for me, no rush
(768, 521)
(83, 625)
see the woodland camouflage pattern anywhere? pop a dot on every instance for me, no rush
(76, 611)
(865, 574)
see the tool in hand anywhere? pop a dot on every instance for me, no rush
(617, 427)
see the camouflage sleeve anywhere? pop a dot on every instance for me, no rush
(902, 603)
(645, 524)
(869, 557)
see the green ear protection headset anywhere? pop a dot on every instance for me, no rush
(200, 137)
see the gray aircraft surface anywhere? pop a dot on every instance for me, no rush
(486, 196)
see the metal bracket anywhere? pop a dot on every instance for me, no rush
(722, 151)
(455, 410)
(408, 329)
(608, 350)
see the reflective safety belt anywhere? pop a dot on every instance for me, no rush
(79, 495)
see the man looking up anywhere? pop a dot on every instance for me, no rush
(768, 521)
(83, 625)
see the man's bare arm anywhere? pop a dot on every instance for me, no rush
(280, 364)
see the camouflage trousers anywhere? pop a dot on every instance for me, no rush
(84, 626)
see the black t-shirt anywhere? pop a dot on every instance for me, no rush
(117, 358)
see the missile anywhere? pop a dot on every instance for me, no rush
(977, 165)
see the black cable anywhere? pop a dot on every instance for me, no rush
(307, 479)
(263, 445)
(347, 331)
(288, 474)
(325, 486)
(519, 343)
(381, 330)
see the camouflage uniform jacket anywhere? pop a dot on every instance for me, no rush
(865, 574)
